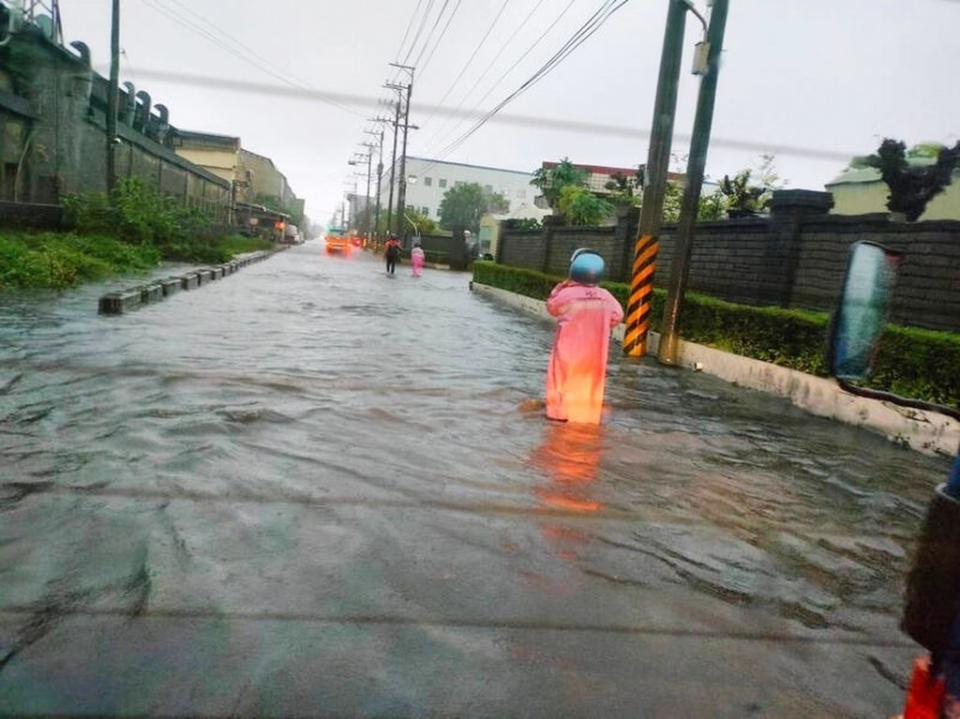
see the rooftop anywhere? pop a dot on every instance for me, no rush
(463, 164)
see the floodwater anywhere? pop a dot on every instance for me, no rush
(312, 490)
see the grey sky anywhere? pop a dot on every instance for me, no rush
(826, 74)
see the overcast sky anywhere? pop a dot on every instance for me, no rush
(829, 75)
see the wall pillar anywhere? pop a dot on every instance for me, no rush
(789, 209)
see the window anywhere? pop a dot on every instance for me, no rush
(425, 211)
(428, 181)
(459, 183)
(443, 182)
(488, 188)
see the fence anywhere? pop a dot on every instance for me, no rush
(796, 257)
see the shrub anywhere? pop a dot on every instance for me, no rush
(59, 261)
(911, 362)
(140, 214)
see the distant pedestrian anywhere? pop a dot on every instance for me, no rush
(417, 258)
(392, 253)
(577, 373)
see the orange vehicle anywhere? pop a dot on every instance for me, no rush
(337, 241)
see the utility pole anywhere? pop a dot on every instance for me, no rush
(667, 353)
(113, 97)
(376, 220)
(370, 146)
(658, 161)
(402, 192)
(393, 167)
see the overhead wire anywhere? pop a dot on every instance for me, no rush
(198, 29)
(447, 128)
(416, 38)
(473, 55)
(422, 68)
(517, 120)
(586, 31)
(406, 32)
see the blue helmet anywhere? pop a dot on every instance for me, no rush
(587, 267)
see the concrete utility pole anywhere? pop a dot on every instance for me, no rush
(699, 144)
(402, 192)
(370, 147)
(393, 166)
(658, 161)
(113, 97)
(376, 220)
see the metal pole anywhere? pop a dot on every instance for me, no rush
(658, 161)
(376, 221)
(402, 194)
(393, 167)
(699, 144)
(113, 97)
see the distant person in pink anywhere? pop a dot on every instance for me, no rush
(585, 314)
(417, 257)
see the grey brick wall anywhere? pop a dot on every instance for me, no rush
(790, 259)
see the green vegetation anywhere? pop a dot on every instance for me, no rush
(465, 205)
(579, 206)
(911, 362)
(58, 261)
(913, 184)
(130, 231)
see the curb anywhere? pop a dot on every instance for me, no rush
(920, 430)
(132, 298)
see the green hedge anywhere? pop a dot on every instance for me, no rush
(911, 362)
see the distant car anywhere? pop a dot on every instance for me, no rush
(337, 241)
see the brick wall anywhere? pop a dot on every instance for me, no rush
(794, 258)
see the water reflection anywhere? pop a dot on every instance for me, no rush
(570, 458)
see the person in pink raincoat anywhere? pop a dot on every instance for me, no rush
(417, 257)
(585, 316)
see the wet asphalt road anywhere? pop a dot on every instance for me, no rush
(311, 490)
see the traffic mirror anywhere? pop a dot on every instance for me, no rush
(864, 307)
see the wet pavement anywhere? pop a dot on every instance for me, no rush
(311, 490)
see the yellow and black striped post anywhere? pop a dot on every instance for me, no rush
(639, 306)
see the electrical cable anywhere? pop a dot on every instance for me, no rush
(210, 37)
(474, 54)
(591, 26)
(446, 128)
(422, 68)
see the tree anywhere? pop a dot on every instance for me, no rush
(551, 181)
(742, 199)
(414, 222)
(579, 206)
(464, 205)
(626, 191)
(911, 186)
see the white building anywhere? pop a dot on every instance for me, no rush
(430, 179)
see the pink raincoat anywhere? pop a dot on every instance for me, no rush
(417, 257)
(578, 363)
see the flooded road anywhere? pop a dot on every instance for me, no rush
(311, 490)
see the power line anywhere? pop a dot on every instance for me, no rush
(406, 32)
(416, 38)
(472, 56)
(516, 120)
(423, 67)
(212, 38)
(594, 23)
(443, 132)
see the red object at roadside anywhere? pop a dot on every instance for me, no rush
(926, 694)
